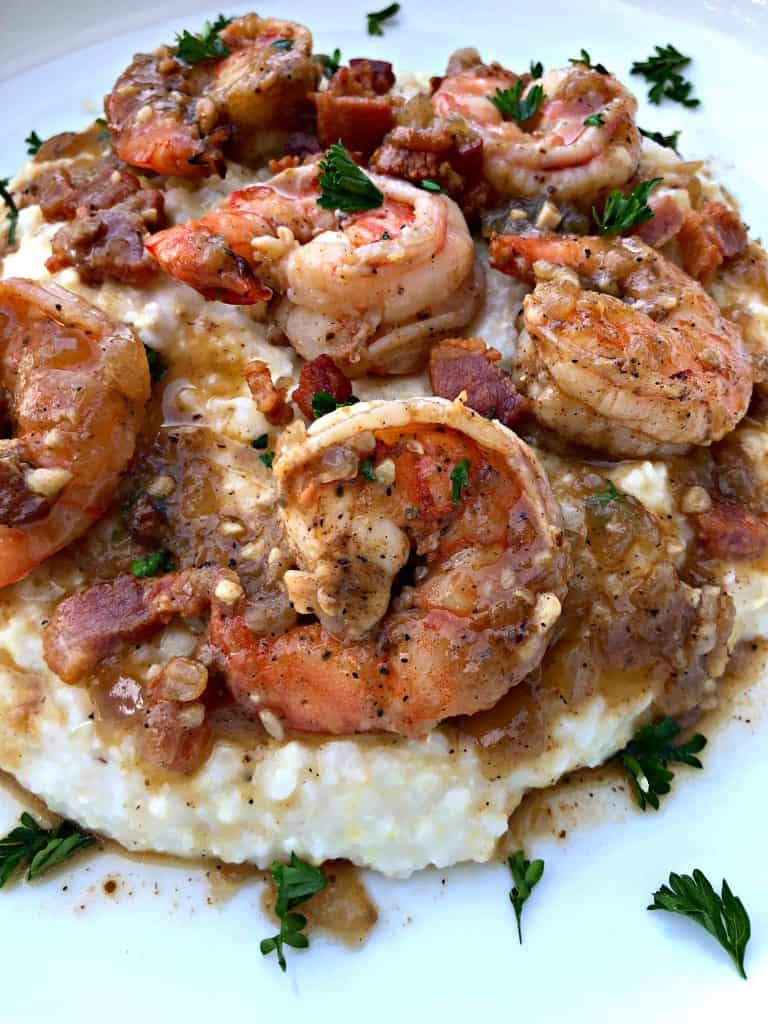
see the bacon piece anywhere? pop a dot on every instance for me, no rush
(708, 238)
(269, 399)
(355, 107)
(17, 503)
(144, 520)
(63, 190)
(109, 243)
(92, 624)
(317, 375)
(465, 364)
(668, 218)
(93, 140)
(728, 530)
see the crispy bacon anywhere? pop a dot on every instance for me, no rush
(708, 238)
(317, 375)
(668, 218)
(356, 107)
(92, 624)
(729, 530)
(465, 364)
(270, 400)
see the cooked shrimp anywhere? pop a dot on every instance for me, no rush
(76, 384)
(622, 351)
(425, 488)
(371, 289)
(174, 118)
(554, 153)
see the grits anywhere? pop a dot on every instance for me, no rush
(393, 804)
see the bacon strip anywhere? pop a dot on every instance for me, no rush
(317, 375)
(465, 364)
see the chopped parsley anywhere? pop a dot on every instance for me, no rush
(295, 883)
(343, 185)
(606, 496)
(723, 916)
(331, 64)
(39, 849)
(459, 479)
(267, 458)
(537, 69)
(594, 121)
(323, 402)
(367, 470)
(526, 874)
(153, 564)
(205, 45)
(662, 70)
(622, 212)
(513, 106)
(376, 19)
(584, 58)
(34, 142)
(261, 441)
(430, 186)
(282, 44)
(669, 141)
(13, 210)
(157, 367)
(646, 756)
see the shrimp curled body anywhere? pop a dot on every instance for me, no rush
(74, 385)
(371, 289)
(621, 350)
(554, 153)
(459, 504)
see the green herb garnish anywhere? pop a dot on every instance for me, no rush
(157, 367)
(295, 883)
(377, 18)
(526, 874)
(606, 496)
(459, 479)
(323, 402)
(430, 186)
(622, 212)
(367, 470)
(723, 916)
(267, 458)
(513, 106)
(34, 142)
(343, 186)
(331, 64)
(38, 848)
(261, 441)
(594, 121)
(13, 210)
(282, 44)
(663, 70)
(205, 45)
(646, 756)
(155, 562)
(537, 69)
(670, 141)
(587, 60)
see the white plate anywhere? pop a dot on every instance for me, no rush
(446, 947)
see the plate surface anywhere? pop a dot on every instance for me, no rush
(159, 947)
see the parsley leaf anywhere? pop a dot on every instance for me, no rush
(323, 402)
(295, 883)
(622, 212)
(13, 210)
(670, 141)
(459, 479)
(157, 367)
(38, 848)
(526, 874)
(431, 186)
(155, 562)
(282, 44)
(267, 458)
(343, 186)
(584, 58)
(662, 70)
(367, 470)
(646, 756)
(605, 497)
(723, 916)
(377, 18)
(537, 69)
(205, 45)
(512, 105)
(330, 64)
(594, 121)
(261, 441)
(34, 142)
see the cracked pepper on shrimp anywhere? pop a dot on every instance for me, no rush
(350, 439)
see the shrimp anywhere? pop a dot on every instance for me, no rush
(621, 350)
(554, 153)
(76, 384)
(371, 289)
(453, 507)
(173, 117)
